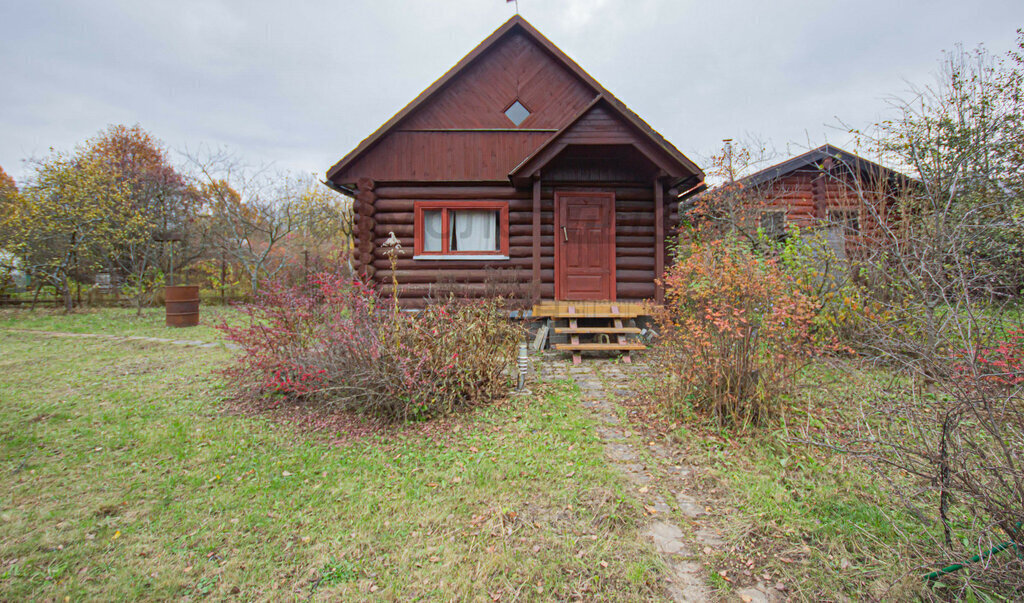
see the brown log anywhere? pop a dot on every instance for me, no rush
(394, 217)
(459, 289)
(526, 217)
(634, 290)
(634, 276)
(527, 205)
(400, 230)
(659, 237)
(633, 230)
(465, 276)
(634, 241)
(365, 209)
(634, 218)
(635, 262)
(407, 263)
(545, 241)
(641, 206)
(527, 251)
(365, 184)
(496, 192)
(365, 224)
(520, 230)
(383, 205)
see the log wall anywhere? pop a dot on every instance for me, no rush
(388, 209)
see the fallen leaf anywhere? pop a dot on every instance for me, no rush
(745, 599)
(116, 535)
(286, 473)
(604, 564)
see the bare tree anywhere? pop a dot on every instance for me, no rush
(252, 213)
(946, 311)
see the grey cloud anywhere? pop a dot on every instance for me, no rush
(300, 84)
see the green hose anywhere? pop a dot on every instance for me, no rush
(958, 566)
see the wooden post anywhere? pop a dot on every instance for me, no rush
(536, 240)
(659, 239)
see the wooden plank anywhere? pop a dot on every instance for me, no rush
(542, 337)
(598, 330)
(621, 339)
(557, 309)
(576, 358)
(594, 347)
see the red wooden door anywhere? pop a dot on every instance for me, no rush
(585, 246)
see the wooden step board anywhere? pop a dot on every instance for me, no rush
(591, 309)
(599, 347)
(598, 330)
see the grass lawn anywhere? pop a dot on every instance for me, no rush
(119, 321)
(825, 525)
(127, 475)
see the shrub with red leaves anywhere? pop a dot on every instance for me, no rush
(1000, 365)
(735, 329)
(337, 342)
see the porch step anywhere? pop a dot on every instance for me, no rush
(598, 330)
(591, 309)
(600, 347)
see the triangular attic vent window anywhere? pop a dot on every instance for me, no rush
(517, 113)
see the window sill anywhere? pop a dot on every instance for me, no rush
(460, 257)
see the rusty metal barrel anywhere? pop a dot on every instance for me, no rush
(182, 305)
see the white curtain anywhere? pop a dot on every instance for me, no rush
(432, 230)
(474, 229)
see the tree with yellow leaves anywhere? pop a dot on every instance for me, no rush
(68, 218)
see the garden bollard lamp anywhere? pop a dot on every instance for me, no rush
(521, 362)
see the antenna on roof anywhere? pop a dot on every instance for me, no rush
(517, 4)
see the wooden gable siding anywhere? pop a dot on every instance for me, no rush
(601, 126)
(515, 67)
(461, 133)
(404, 156)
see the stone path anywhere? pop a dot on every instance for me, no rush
(195, 343)
(652, 468)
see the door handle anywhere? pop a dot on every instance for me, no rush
(565, 234)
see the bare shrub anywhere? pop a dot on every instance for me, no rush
(338, 343)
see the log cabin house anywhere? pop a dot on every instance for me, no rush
(517, 167)
(847, 195)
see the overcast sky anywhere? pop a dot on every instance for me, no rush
(301, 83)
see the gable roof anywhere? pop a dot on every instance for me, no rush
(517, 23)
(673, 164)
(815, 158)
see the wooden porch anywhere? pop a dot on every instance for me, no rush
(611, 316)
